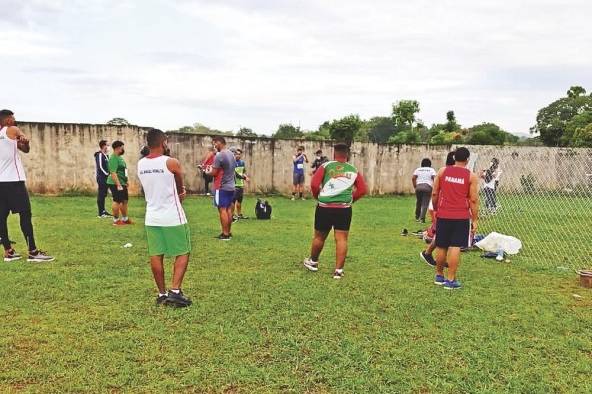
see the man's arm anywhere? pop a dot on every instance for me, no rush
(436, 190)
(175, 167)
(22, 142)
(474, 201)
(414, 181)
(315, 182)
(360, 187)
(100, 159)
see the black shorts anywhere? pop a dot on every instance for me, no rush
(238, 195)
(119, 196)
(452, 233)
(328, 218)
(14, 197)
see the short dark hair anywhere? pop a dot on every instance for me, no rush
(462, 154)
(145, 151)
(219, 138)
(102, 143)
(341, 148)
(116, 144)
(300, 148)
(238, 150)
(450, 159)
(155, 137)
(319, 152)
(426, 162)
(5, 113)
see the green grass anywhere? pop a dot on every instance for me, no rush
(261, 323)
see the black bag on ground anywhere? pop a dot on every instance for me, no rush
(262, 209)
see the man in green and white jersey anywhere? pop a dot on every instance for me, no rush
(336, 185)
(167, 231)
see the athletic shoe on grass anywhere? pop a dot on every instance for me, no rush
(178, 300)
(439, 280)
(161, 299)
(128, 221)
(39, 256)
(11, 255)
(427, 258)
(452, 284)
(234, 218)
(223, 237)
(311, 265)
(118, 223)
(338, 275)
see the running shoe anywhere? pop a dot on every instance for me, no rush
(178, 300)
(311, 265)
(118, 223)
(128, 221)
(241, 216)
(338, 275)
(452, 284)
(293, 198)
(427, 258)
(234, 218)
(223, 237)
(11, 255)
(161, 299)
(39, 256)
(440, 280)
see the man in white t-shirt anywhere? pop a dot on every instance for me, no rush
(423, 181)
(167, 231)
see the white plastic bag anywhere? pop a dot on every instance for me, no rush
(496, 241)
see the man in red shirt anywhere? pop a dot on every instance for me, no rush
(455, 198)
(336, 185)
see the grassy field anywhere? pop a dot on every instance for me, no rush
(261, 323)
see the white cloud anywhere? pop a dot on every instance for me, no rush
(258, 63)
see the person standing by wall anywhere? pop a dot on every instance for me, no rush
(298, 173)
(318, 161)
(102, 173)
(117, 182)
(206, 167)
(239, 185)
(491, 178)
(423, 180)
(14, 196)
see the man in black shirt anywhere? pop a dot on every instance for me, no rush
(102, 172)
(319, 161)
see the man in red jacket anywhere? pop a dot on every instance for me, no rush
(456, 200)
(336, 185)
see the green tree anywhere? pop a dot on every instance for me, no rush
(583, 137)
(288, 131)
(405, 137)
(579, 121)
(451, 124)
(379, 129)
(345, 129)
(245, 132)
(552, 120)
(118, 122)
(488, 134)
(404, 113)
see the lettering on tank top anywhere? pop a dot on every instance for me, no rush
(451, 179)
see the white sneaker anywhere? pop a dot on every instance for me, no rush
(337, 274)
(293, 198)
(311, 265)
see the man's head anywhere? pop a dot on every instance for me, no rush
(341, 151)
(219, 142)
(319, 153)
(103, 146)
(157, 141)
(118, 148)
(237, 154)
(426, 162)
(300, 150)
(461, 155)
(7, 118)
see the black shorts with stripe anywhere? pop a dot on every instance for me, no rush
(14, 197)
(451, 233)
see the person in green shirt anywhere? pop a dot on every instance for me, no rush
(117, 182)
(240, 176)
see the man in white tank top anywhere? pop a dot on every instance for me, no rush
(166, 225)
(13, 193)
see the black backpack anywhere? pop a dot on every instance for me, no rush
(262, 209)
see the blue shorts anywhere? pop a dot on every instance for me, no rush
(223, 198)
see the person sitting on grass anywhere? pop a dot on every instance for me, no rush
(167, 231)
(456, 199)
(336, 185)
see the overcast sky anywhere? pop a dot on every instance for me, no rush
(232, 63)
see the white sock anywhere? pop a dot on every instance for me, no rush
(339, 271)
(115, 218)
(124, 218)
(176, 291)
(162, 294)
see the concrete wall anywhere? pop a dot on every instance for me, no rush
(61, 159)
